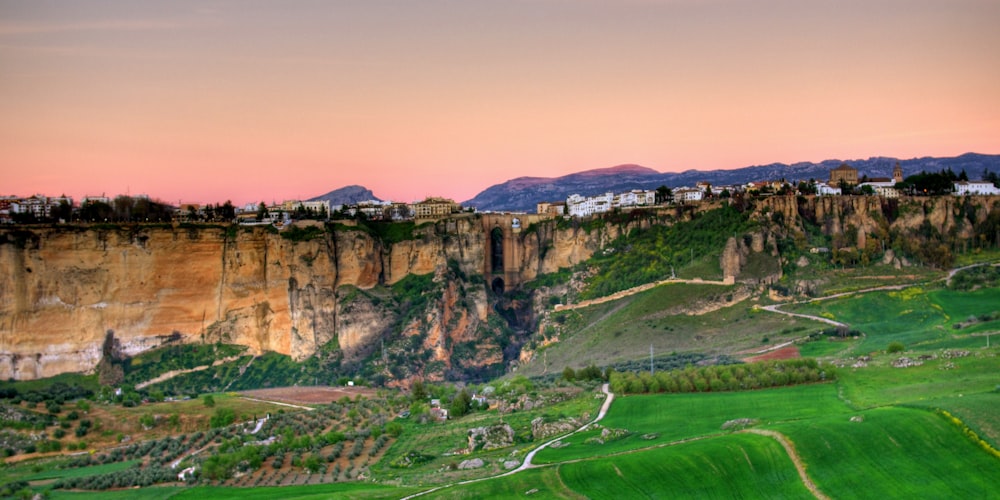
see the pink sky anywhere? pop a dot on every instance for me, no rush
(261, 100)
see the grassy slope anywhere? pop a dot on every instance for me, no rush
(731, 466)
(623, 330)
(675, 417)
(893, 453)
(918, 318)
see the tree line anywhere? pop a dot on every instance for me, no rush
(723, 378)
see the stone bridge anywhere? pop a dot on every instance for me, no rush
(502, 265)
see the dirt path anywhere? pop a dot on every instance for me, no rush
(635, 290)
(163, 377)
(774, 307)
(279, 403)
(799, 466)
(953, 272)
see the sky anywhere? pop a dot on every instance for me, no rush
(253, 100)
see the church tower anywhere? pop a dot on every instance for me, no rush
(897, 174)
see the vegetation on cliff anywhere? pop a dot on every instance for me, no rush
(659, 252)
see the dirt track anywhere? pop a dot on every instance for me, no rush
(310, 395)
(794, 455)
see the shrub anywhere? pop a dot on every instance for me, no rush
(895, 347)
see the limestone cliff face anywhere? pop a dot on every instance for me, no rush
(63, 288)
(870, 214)
(548, 248)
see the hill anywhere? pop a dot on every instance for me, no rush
(521, 194)
(347, 195)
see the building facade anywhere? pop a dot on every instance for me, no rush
(844, 173)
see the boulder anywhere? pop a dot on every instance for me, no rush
(473, 463)
(491, 437)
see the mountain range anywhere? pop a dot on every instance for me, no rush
(522, 193)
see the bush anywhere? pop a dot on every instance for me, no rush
(895, 347)
(222, 417)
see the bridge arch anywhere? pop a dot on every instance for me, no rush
(496, 251)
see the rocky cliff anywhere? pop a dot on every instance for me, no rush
(428, 299)
(62, 288)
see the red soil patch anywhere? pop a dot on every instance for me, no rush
(789, 352)
(312, 395)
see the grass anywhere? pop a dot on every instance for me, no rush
(24, 386)
(623, 330)
(335, 490)
(826, 348)
(837, 280)
(93, 470)
(978, 411)
(893, 453)
(736, 465)
(883, 385)
(919, 318)
(675, 417)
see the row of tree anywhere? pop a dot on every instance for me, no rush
(723, 378)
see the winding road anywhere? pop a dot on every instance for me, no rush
(608, 398)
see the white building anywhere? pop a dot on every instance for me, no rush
(824, 189)
(975, 187)
(584, 206)
(682, 195)
(636, 198)
(885, 188)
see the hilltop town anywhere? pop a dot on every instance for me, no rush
(843, 180)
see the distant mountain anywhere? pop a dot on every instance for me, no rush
(347, 195)
(522, 193)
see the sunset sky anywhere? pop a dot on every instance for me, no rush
(266, 100)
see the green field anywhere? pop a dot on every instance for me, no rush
(337, 490)
(675, 417)
(735, 465)
(921, 319)
(893, 453)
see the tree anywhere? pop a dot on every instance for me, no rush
(461, 404)
(208, 400)
(663, 195)
(569, 374)
(417, 391)
(226, 211)
(262, 212)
